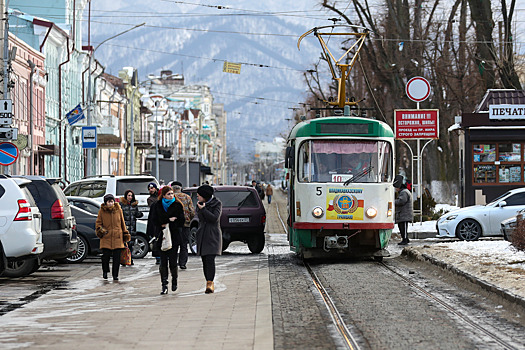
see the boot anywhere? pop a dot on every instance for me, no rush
(403, 242)
(174, 279)
(164, 279)
(209, 287)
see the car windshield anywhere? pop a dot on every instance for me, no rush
(492, 203)
(237, 199)
(138, 186)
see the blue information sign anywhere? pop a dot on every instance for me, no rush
(89, 137)
(8, 153)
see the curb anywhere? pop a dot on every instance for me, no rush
(513, 298)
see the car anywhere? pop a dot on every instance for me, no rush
(20, 231)
(85, 211)
(509, 226)
(477, 221)
(58, 234)
(98, 186)
(243, 217)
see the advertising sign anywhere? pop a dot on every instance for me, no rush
(506, 112)
(345, 204)
(416, 123)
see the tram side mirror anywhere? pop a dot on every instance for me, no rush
(502, 204)
(289, 158)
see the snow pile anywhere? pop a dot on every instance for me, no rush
(495, 262)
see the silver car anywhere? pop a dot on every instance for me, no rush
(508, 226)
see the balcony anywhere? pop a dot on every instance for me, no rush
(144, 139)
(108, 131)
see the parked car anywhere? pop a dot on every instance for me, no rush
(20, 229)
(58, 234)
(477, 221)
(85, 210)
(509, 226)
(98, 186)
(243, 217)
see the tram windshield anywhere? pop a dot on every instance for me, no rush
(345, 161)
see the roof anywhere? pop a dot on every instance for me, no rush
(500, 97)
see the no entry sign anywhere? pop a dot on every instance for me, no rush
(416, 123)
(8, 153)
(418, 89)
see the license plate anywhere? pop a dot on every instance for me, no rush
(236, 220)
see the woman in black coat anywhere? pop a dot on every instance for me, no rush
(209, 236)
(168, 211)
(130, 209)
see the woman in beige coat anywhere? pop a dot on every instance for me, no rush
(111, 229)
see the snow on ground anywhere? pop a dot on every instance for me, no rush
(496, 262)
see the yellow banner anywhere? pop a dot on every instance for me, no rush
(230, 67)
(344, 204)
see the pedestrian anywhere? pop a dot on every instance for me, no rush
(168, 212)
(153, 193)
(151, 228)
(189, 213)
(111, 228)
(269, 193)
(258, 188)
(404, 208)
(209, 236)
(130, 209)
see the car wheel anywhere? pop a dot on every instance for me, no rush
(140, 247)
(256, 244)
(468, 230)
(193, 240)
(82, 251)
(21, 268)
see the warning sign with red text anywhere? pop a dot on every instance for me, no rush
(416, 123)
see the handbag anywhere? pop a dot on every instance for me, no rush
(166, 239)
(125, 256)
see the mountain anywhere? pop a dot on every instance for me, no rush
(195, 38)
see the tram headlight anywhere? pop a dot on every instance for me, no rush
(317, 212)
(371, 212)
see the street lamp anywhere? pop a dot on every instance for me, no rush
(89, 119)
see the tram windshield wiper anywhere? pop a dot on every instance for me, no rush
(359, 175)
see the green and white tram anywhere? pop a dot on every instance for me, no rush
(340, 194)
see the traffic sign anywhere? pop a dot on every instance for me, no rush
(418, 89)
(89, 137)
(416, 123)
(8, 153)
(6, 106)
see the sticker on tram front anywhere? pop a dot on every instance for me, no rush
(343, 204)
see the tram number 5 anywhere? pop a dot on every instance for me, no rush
(318, 191)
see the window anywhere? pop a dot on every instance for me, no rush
(516, 199)
(345, 160)
(245, 199)
(498, 163)
(92, 189)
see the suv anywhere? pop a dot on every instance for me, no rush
(98, 186)
(243, 217)
(86, 211)
(20, 237)
(58, 223)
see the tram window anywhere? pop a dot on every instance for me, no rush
(305, 166)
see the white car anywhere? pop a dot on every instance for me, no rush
(98, 186)
(20, 228)
(477, 221)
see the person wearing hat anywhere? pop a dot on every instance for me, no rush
(153, 190)
(111, 228)
(189, 213)
(209, 236)
(404, 208)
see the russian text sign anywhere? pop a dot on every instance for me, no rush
(230, 67)
(506, 111)
(416, 123)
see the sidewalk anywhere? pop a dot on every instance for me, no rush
(131, 314)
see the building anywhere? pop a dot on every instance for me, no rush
(492, 143)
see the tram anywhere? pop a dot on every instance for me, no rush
(340, 194)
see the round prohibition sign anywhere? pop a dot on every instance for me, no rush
(418, 89)
(8, 153)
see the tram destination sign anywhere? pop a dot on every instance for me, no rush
(416, 123)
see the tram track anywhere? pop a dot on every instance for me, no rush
(350, 341)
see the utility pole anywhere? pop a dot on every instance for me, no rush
(30, 138)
